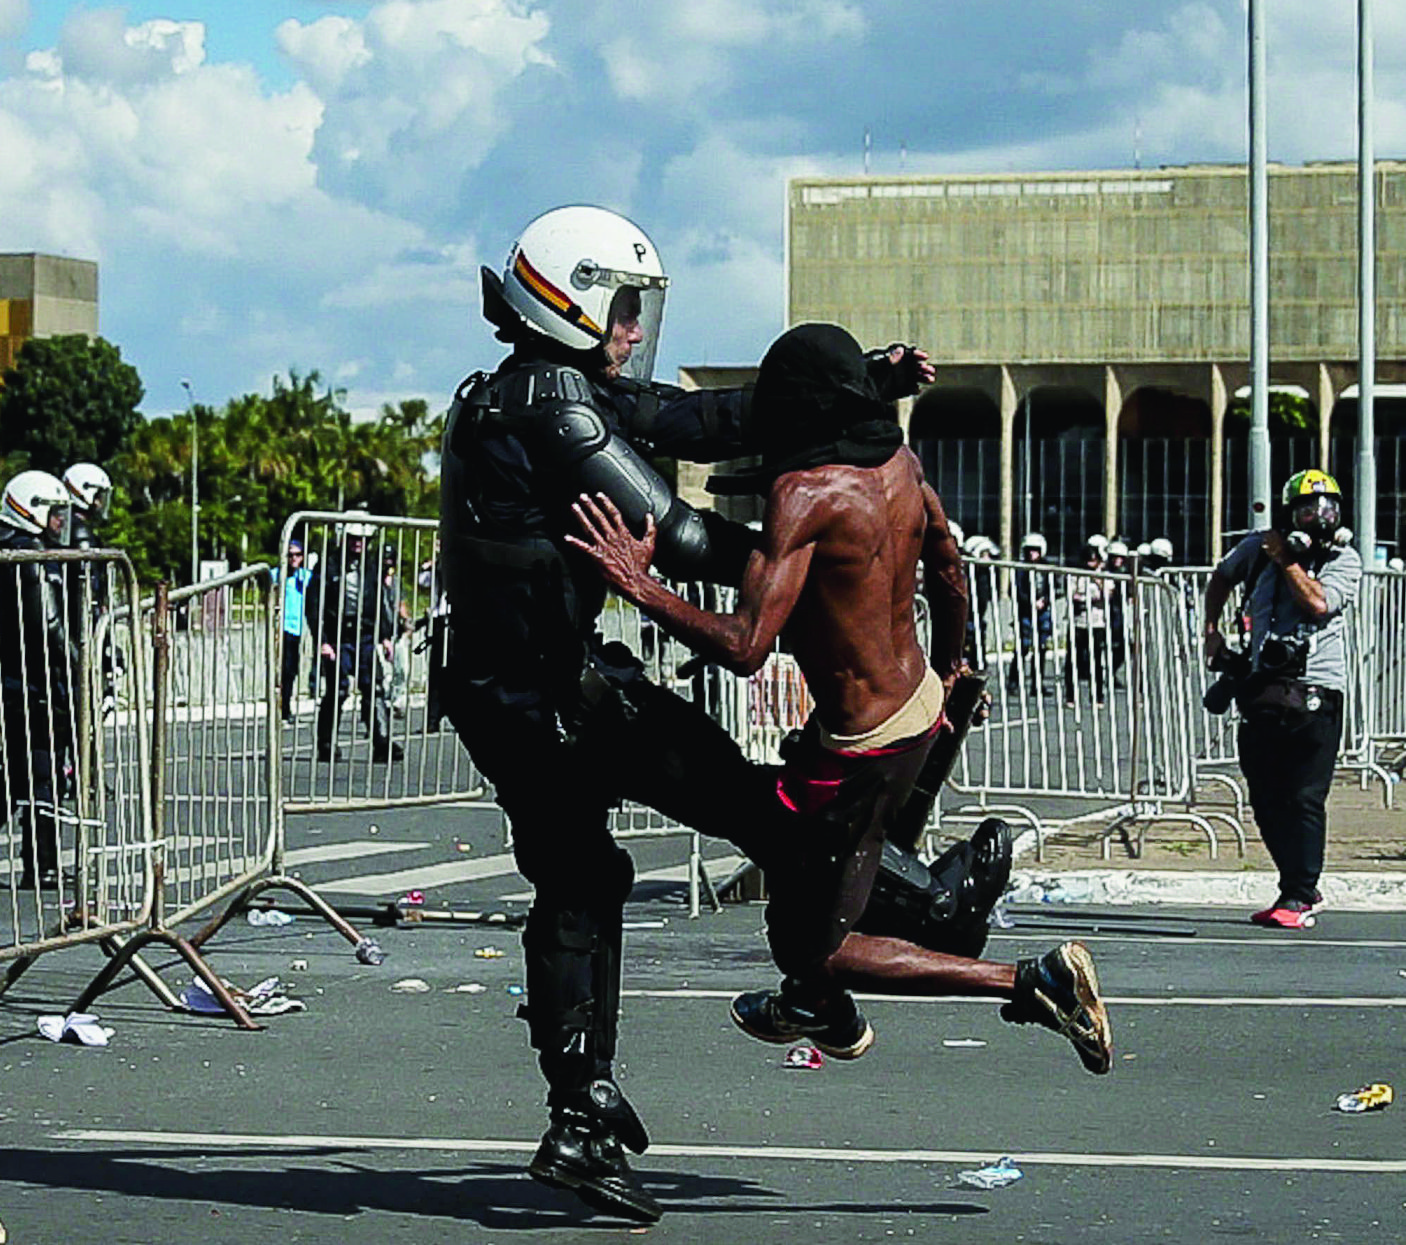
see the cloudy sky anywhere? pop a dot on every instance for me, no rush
(312, 184)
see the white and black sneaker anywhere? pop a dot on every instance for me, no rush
(1060, 991)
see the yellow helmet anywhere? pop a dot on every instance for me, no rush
(1307, 483)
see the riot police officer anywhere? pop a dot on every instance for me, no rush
(90, 497)
(563, 723)
(34, 670)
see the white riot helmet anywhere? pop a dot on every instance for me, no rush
(979, 546)
(1035, 540)
(90, 487)
(1117, 548)
(1098, 541)
(1162, 548)
(577, 271)
(37, 503)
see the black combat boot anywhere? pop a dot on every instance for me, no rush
(580, 1153)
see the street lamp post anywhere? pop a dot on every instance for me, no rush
(194, 486)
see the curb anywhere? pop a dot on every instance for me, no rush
(1349, 892)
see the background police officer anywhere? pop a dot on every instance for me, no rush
(1300, 577)
(34, 669)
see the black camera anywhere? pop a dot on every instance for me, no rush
(1284, 656)
(1233, 667)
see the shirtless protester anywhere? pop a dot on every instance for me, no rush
(848, 514)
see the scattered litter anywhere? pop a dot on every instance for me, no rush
(963, 1043)
(413, 898)
(368, 951)
(270, 916)
(490, 953)
(803, 1057)
(470, 987)
(75, 1029)
(411, 985)
(2, 1234)
(497, 917)
(995, 1176)
(516, 990)
(463, 847)
(373, 828)
(268, 998)
(1374, 1097)
(644, 924)
(298, 966)
(1000, 918)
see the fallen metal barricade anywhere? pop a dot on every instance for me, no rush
(77, 842)
(1089, 721)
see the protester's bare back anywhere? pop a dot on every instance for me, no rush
(852, 629)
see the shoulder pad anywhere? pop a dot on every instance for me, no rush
(530, 386)
(570, 431)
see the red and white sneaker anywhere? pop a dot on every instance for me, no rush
(1286, 914)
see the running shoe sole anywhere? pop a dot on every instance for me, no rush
(1094, 1042)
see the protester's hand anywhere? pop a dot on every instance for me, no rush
(327, 651)
(623, 560)
(918, 361)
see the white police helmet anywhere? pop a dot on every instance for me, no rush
(576, 271)
(979, 546)
(1099, 541)
(1117, 549)
(1162, 548)
(91, 489)
(37, 503)
(1035, 540)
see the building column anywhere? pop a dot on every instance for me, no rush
(905, 416)
(1009, 401)
(1112, 409)
(1327, 395)
(1219, 400)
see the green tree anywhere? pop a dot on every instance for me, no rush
(67, 400)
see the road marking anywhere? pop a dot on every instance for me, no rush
(718, 868)
(421, 877)
(349, 851)
(1184, 1000)
(1202, 1162)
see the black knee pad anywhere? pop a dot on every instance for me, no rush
(943, 906)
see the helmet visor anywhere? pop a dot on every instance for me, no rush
(58, 525)
(632, 329)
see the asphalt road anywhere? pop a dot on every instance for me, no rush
(379, 1116)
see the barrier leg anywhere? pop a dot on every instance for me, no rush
(125, 954)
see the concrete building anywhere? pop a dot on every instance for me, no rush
(44, 296)
(1091, 330)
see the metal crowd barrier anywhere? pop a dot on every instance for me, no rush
(366, 735)
(1090, 720)
(76, 836)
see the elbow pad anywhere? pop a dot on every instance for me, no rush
(593, 459)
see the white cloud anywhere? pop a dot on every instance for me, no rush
(413, 90)
(14, 17)
(674, 50)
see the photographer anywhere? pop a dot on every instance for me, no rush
(1299, 578)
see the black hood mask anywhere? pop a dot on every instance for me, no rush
(814, 405)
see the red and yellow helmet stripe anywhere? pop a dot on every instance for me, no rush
(549, 296)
